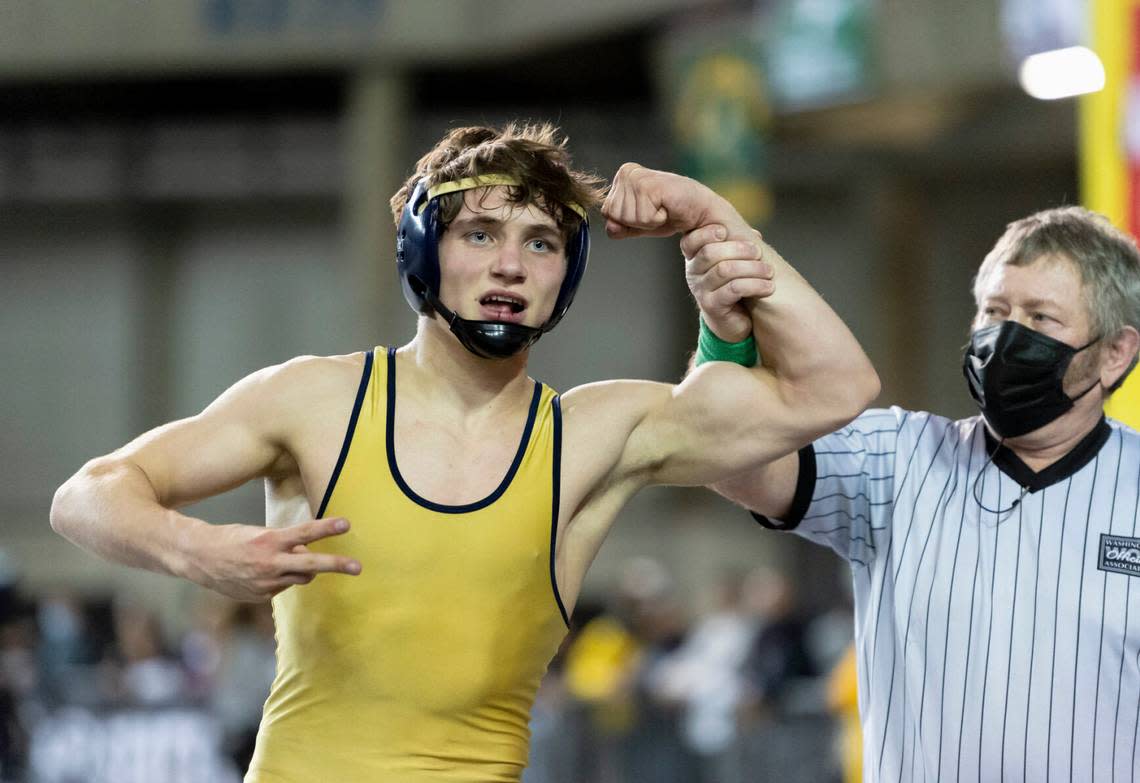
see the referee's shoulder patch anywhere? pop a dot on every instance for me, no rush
(1119, 554)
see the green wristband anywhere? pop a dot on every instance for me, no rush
(711, 348)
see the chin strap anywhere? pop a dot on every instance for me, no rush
(486, 339)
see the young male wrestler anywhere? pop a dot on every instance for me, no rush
(477, 496)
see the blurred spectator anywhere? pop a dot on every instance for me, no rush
(778, 656)
(560, 729)
(652, 748)
(553, 744)
(148, 674)
(601, 665)
(229, 658)
(706, 676)
(66, 650)
(830, 632)
(610, 669)
(245, 672)
(785, 724)
(18, 680)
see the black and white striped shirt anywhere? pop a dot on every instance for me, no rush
(997, 611)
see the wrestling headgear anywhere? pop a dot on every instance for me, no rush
(417, 261)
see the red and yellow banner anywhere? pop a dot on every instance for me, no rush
(1110, 144)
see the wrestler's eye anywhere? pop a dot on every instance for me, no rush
(544, 246)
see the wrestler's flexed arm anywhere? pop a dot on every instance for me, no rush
(723, 418)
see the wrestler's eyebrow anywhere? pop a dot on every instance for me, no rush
(477, 221)
(549, 233)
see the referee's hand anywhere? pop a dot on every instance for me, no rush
(722, 274)
(254, 563)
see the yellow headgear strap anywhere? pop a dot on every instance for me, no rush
(486, 181)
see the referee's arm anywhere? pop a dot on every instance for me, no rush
(769, 490)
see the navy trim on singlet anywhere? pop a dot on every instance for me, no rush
(556, 409)
(805, 486)
(348, 435)
(390, 441)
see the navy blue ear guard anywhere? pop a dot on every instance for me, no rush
(417, 248)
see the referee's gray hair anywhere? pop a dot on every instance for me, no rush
(1106, 257)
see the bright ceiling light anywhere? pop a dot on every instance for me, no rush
(1062, 73)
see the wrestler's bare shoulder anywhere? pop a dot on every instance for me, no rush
(600, 419)
(304, 396)
(311, 378)
(613, 407)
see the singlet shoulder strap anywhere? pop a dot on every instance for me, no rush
(360, 392)
(556, 461)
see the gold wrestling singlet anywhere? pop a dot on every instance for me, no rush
(424, 667)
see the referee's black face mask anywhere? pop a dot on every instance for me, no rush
(1016, 374)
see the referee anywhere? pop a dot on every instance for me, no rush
(996, 559)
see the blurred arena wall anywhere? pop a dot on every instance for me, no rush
(192, 190)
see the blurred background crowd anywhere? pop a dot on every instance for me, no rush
(191, 190)
(93, 687)
(752, 688)
(755, 686)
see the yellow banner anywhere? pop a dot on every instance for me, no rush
(1106, 181)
